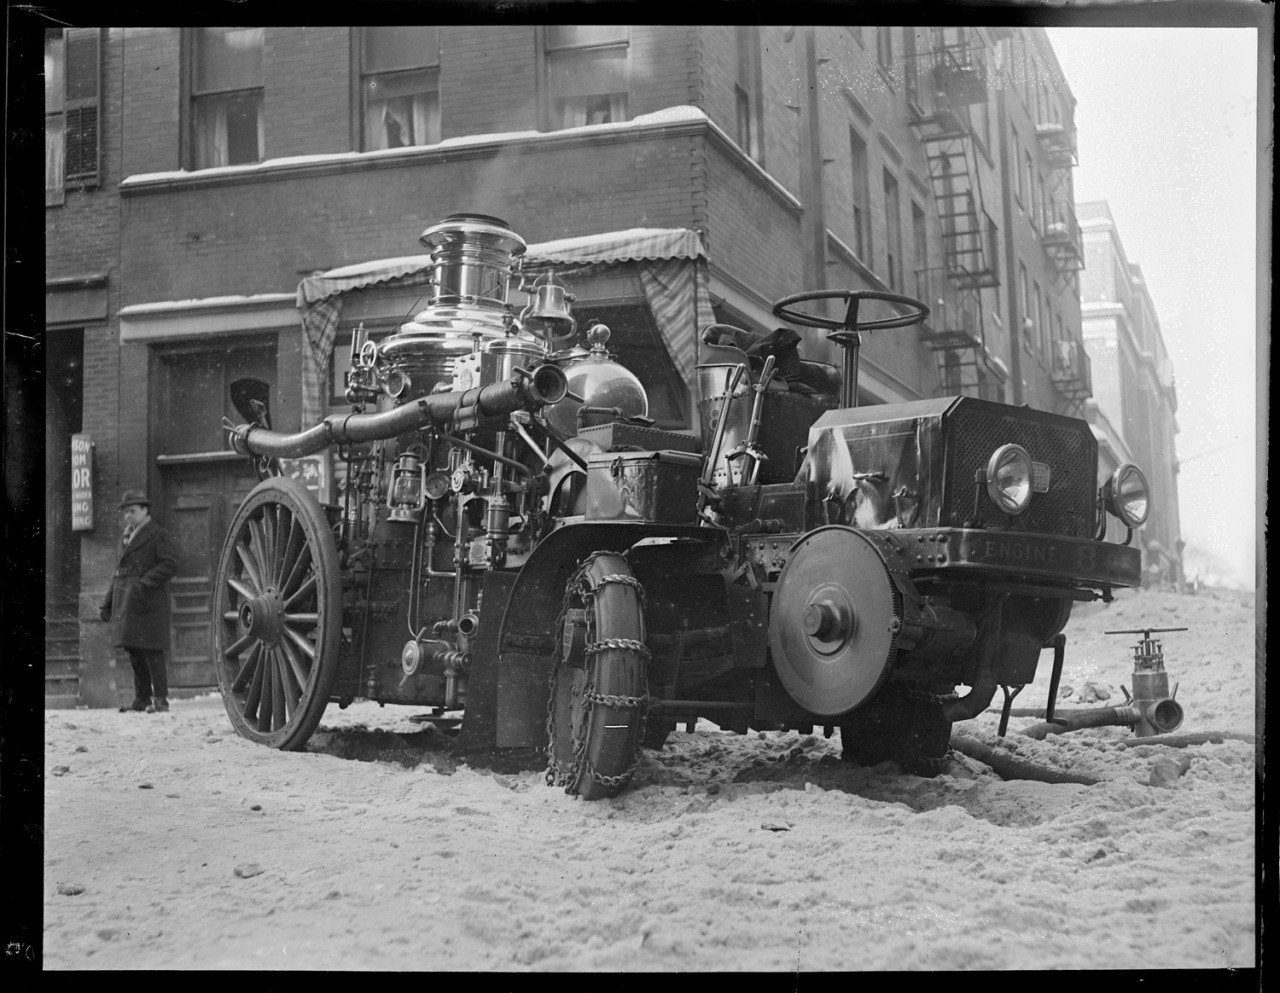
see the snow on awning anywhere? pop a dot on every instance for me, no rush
(631, 245)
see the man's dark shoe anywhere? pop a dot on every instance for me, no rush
(139, 705)
(161, 706)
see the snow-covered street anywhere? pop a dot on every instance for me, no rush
(172, 843)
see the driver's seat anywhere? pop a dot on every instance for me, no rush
(797, 396)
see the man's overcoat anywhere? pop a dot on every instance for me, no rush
(138, 601)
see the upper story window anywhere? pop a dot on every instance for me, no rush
(72, 81)
(746, 90)
(893, 232)
(588, 74)
(399, 86)
(884, 51)
(920, 241)
(911, 55)
(861, 196)
(226, 93)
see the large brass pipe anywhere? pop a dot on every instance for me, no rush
(527, 390)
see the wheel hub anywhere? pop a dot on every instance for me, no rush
(832, 633)
(828, 619)
(261, 616)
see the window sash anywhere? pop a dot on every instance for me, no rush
(387, 49)
(893, 231)
(72, 66)
(567, 37)
(588, 72)
(222, 132)
(402, 114)
(861, 193)
(227, 59)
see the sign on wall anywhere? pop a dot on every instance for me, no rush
(81, 482)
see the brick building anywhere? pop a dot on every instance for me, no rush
(195, 176)
(1135, 400)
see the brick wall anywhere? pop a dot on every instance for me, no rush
(307, 91)
(150, 100)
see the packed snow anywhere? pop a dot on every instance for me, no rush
(170, 842)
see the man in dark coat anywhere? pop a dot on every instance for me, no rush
(137, 605)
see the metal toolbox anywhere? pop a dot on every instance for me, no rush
(643, 486)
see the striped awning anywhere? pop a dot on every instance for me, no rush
(631, 245)
(671, 264)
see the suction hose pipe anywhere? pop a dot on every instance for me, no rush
(527, 390)
(971, 704)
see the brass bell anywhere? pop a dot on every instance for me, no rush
(547, 313)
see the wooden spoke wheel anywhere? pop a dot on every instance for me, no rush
(599, 687)
(278, 615)
(900, 723)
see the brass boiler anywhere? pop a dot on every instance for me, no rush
(473, 257)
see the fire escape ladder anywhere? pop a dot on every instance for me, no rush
(954, 332)
(941, 123)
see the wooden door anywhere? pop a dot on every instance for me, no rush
(200, 501)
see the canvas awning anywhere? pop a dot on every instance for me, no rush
(671, 263)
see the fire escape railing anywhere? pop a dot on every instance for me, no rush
(1072, 374)
(1061, 238)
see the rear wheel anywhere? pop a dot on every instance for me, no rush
(598, 699)
(901, 723)
(278, 620)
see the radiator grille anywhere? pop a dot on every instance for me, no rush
(1067, 446)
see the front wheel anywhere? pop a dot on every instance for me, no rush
(599, 684)
(902, 723)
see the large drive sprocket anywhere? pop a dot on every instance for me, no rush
(834, 621)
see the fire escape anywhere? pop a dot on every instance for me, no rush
(941, 84)
(1063, 244)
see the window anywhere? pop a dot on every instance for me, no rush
(893, 232)
(910, 66)
(226, 92)
(1037, 314)
(884, 51)
(399, 87)
(993, 246)
(1017, 173)
(588, 76)
(1044, 209)
(861, 196)
(750, 108)
(1030, 186)
(1026, 304)
(920, 245)
(71, 88)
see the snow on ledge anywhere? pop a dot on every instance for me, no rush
(208, 303)
(657, 119)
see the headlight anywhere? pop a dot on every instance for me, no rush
(1127, 495)
(1009, 478)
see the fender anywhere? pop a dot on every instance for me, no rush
(526, 640)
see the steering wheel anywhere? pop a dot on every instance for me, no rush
(850, 324)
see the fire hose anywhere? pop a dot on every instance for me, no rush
(526, 390)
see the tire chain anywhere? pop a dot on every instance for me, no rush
(555, 776)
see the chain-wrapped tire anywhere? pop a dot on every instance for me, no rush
(901, 723)
(599, 684)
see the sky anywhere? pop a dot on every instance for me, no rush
(1167, 134)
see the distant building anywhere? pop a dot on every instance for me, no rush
(196, 177)
(1135, 400)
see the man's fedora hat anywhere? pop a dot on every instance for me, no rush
(134, 496)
